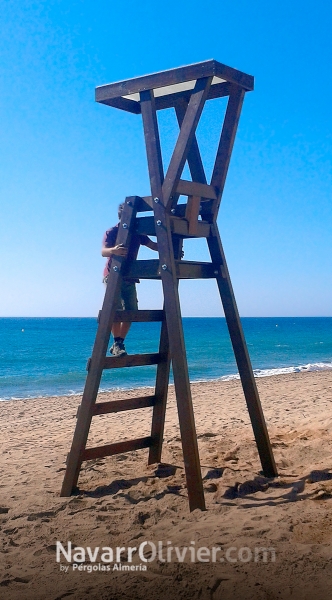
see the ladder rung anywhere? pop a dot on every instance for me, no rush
(103, 408)
(132, 360)
(141, 316)
(144, 269)
(117, 448)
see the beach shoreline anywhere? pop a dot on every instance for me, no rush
(121, 501)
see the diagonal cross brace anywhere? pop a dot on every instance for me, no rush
(185, 139)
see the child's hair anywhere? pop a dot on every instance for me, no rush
(120, 209)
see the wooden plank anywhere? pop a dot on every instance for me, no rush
(218, 90)
(242, 356)
(192, 212)
(181, 227)
(184, 141)
(186, 269)
(103, 408)
(117, 448)
(161, 391)
(144, 269)
(90, 392)
(191, 72)
(131, 360)
(145, 226)
(226, 144)
(192, 188)
(155, 80)
(194, 157)
(173, 311)
(124, 104)
(138, 316)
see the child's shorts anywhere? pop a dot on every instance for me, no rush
(128, 296)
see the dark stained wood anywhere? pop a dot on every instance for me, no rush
(242, 356)
(172, 310)
(144, 269)
(103, 408)
(192, 188)
(124, 104)
(218, 90)
(181, 227)
(192, 213)
(194, 157)
(131, 360)
(146, 226)
(138, 316)
(171, 223)
(117, 448)
(161, 391)
(99, 351)
(226, 144)
(186, 269)
(150, 269)
(192, 72)
(185, 139)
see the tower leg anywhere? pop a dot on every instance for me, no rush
(242, 356)
(172, 307)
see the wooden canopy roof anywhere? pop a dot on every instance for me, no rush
(169, 86)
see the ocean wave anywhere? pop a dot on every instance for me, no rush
(283, 371)
(310, 367)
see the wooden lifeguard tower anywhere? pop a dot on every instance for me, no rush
(186, 89)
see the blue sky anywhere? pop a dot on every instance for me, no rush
(66, 162)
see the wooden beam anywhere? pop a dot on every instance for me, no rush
(181, 227)
(131, 360)
(185, 139)
(175, 76)
(194, 157)
(226, 144)
(144, 269)
(117, 448)
(103, 408)
(138, 316)
(192, 188)
(172, 310)
(145, 226)
(218, 90)
(192, 212)
(242, 356)
(161, 392)
(124, 104)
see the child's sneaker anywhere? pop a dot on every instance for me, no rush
(118, 349)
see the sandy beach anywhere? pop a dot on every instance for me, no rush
(123, 503)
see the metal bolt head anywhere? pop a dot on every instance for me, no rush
(158, 223)
(156, 200)
(115, 268)
(173, 211)
(215, 272)
(164, 267)
(124, 225)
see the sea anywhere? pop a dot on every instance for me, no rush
(42, 357)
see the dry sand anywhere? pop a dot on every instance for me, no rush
(122, 502)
